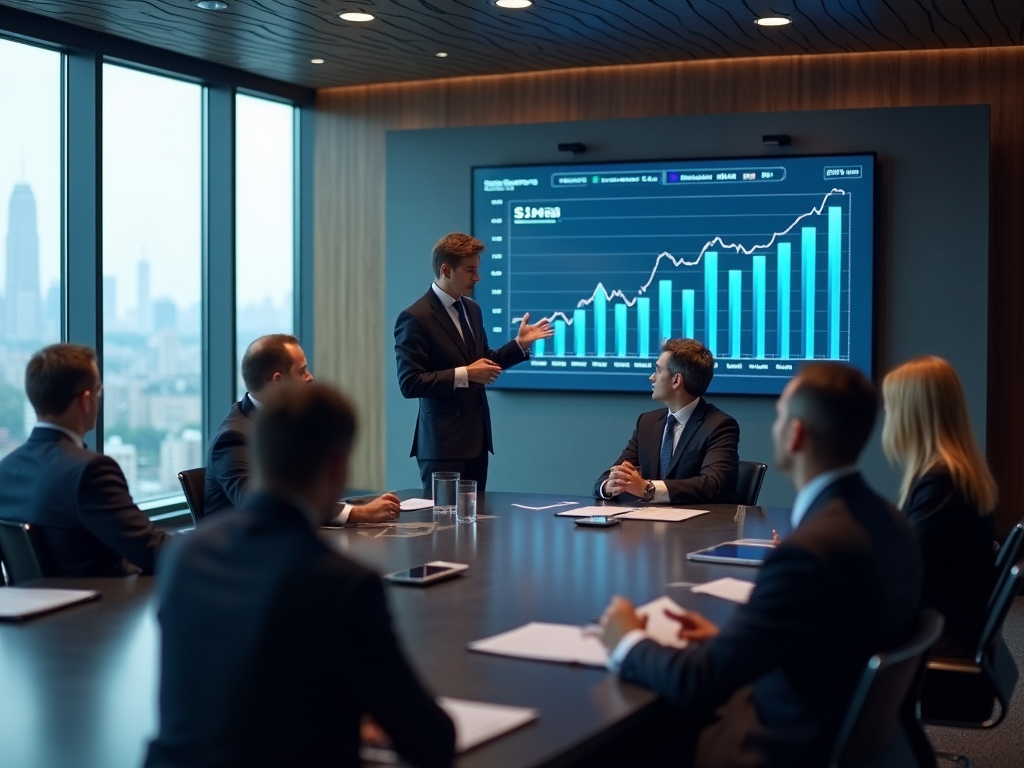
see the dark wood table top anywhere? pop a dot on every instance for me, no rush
(79, 687)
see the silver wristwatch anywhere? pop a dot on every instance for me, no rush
(649, 491)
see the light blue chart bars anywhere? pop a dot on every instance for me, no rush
(559, 338)
(835, 265)
(783, 272)
(807, 268)
(688, 309)
(579, 331)
(760, 290)
(538, 348)
(620, 330)
(600, 322)
(664, 309)
(643, 327)
(711, 300)
(735, 312)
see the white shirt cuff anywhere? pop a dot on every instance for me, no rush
(461, 377)
(602, 492)
(346, 510)
(660, 492)
(621, 651)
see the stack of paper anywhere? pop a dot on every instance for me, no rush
(737, 590)
(20, 602)
(662, 514)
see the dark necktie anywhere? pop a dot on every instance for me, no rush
(666, 446)
(467, 335)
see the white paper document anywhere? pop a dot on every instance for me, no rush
(411, 505)
(548, 506)
(20, 602)
(477, 722)
(570, 644)
(662, 514)
(591, 511)
(737, 590)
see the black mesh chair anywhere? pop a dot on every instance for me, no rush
(1007, 557)
(748, 482)
(881, 727)
(193, 485)
(23, 553)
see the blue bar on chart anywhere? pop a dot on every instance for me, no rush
(835, 264)
(760, 292)
(664, 309)
(600, 322)
(643, 327)
(711, 301)
(807, 267)
(735, 312)
(559, 338)
(688, 310)
(579, 331)
(620, 330)
(783, 272)
(538, 348)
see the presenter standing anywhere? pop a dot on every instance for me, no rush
(444, 361)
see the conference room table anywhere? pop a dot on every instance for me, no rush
(78, 688)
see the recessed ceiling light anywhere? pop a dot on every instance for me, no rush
(316, 61)
(441, 55)
(773, 21)
(211, 5)
(513, 3)
(355, 16)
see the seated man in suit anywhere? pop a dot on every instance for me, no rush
(77, 498)
(274, 646)
(771, 687)
(267, 362)
(689, 453)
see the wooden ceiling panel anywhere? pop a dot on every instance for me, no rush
(277, 38)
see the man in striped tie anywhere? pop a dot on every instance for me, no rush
(687, 453)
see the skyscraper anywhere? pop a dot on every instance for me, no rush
(110, 303)
(144, 307)
(21, 290)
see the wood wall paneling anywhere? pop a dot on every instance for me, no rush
(352, 123)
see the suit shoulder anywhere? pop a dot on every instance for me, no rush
(713, 411)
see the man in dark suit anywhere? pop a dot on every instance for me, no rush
(268, 361)
(688, 453)
(771, 688)
(274, 646)
(77, 498)
(443, 359)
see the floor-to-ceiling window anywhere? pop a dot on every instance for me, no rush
(264, 219)
(30, 223)
(152, 277)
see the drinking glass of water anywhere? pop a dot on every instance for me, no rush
(446, 491)
(465, 512)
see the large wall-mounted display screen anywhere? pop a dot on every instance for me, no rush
(766, 261)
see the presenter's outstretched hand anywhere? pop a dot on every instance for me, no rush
(618, 619)
(693, 626)
(483, 371)
(531, 333)
(383, 509)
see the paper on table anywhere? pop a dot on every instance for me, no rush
(591, 511)
(549, 506)
(477, 721)
(411, 505)
(737, 590)
(20, 602)
(569, 644)
(662, 514)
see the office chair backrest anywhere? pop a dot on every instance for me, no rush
(193, 485)
(23, 552)
(999, 606)
(748, 482)
(1009, 553)
(883, 711)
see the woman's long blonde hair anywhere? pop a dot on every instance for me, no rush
(926, 423)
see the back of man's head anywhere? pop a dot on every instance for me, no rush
(298, 432)
(266, 356)
(837, 406)
(56, 375)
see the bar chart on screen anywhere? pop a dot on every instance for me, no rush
(766, 262)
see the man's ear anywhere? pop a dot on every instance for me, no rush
(796, 438)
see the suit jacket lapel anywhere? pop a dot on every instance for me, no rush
(445, 321)
(692, 425)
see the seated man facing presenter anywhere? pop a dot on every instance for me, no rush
(688, 453)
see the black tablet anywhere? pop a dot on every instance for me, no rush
(733, 553)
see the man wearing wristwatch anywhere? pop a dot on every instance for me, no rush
(687, 453)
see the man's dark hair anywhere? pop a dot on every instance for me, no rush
(266, 356)
(693, 361)
(453, 248)
(837, 405)
(57, 374)
(300, 427)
